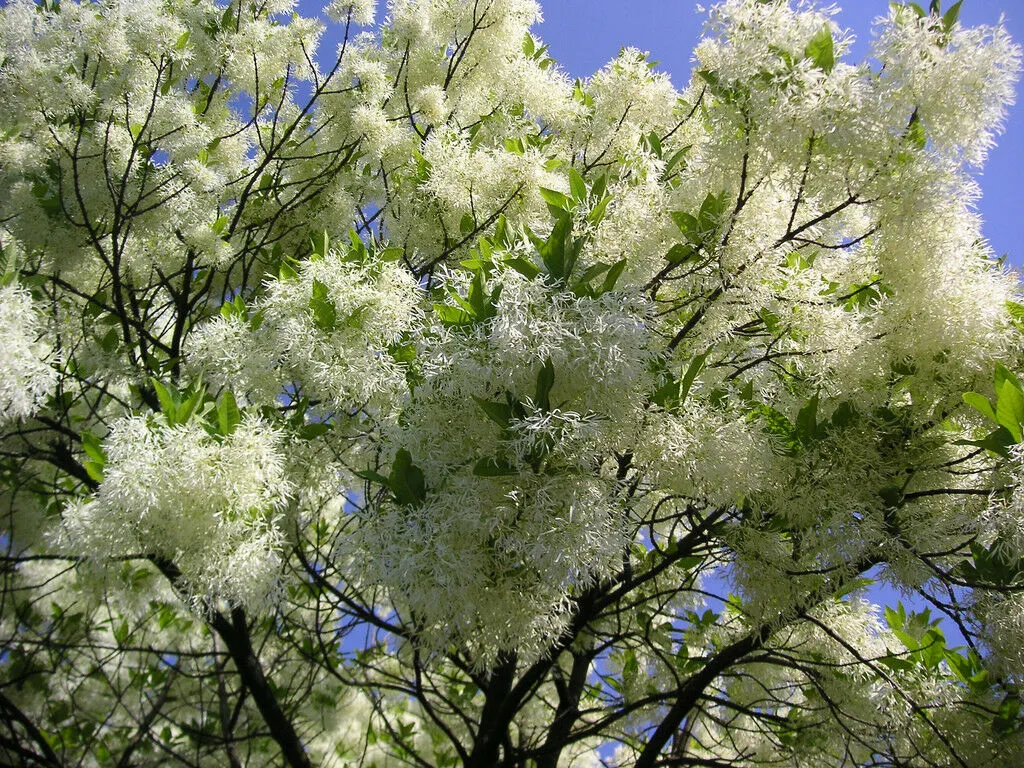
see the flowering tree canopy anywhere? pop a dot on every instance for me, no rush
(412, 404)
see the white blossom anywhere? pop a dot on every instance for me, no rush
(26, 372)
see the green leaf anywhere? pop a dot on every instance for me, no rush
(807, 420)
(843, 415)
(598, 211)
(545, 382)
(287, 272)
(375, 477)
(450, 315)
(577, 185)
(321, 242)
(93, 448)
(582, 286)
(951, 16)
(406, 480)
(403, 353)
(998, 441)
(980, 403)
(1008, 720)
(655, 143)
(555, 198)
(553, 251)
(897, 664)
(667, 395)
(1004, 374)
(673, 161)
(228, 416)
(168, 401)
(691, 374)
(852, 586)
(1010, 409)
(529, 45)
(821, 50)
(189, 405)
(892, 495)
(93, 470)
(480, 304)
(709, 215)
(614, 273)
(688, 225)
(499, 413)
(778, 426)
(524, 267)
(182, 40)
(325, 315)
(933, 647)
(679, 253)
(915, 131)
(630, 667)
(493, 467)
(314, 429)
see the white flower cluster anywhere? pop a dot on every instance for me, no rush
(26, 375)
(958, 82)
(212, 505)
(329, 328)
(360, 12)
(345, 362)
(522, 511)
(492, 561)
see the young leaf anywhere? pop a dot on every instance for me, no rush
(598, 211)
(406, 480)
(493, 467)
(980, 403)
(807, 420)
(526, 268)
(691, 373)
(556, 199)
(951, 16)
(821, 50)
(545, 382)
(614, 273)
(1010, 409)
(1004, 374)
(325, 315)
(577, 186)
(499, 413)
(168, 401)
(228, 416)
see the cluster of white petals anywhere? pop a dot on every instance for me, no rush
(212, 505)
(26, 373)
(340, 355)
